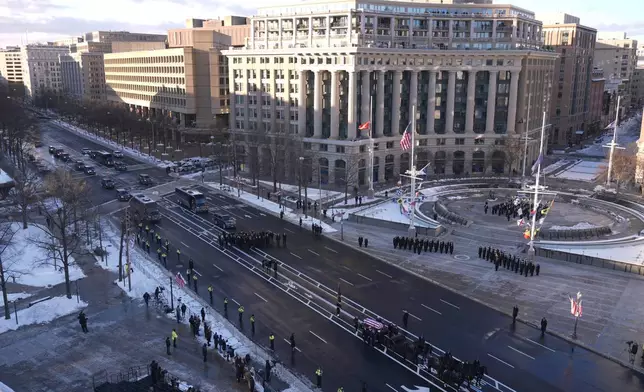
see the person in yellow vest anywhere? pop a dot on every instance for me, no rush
(226, 306)
(271, 341)
(174, 338)
(240, 310)
(159, 254)
(210, 293)
(178, 255)
(147, 229)
(252, 325)
(140, 228)
(340, 389)
(165, 258)
(194, 279)
(127, 269)
(318, 378)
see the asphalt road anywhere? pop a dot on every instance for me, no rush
(518, 357)
(52, 134)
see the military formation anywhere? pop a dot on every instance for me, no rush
(257, 239)
(516, 209)
(418, 245)
(512, 263)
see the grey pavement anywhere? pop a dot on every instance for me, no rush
(123, 333)
(612, 305)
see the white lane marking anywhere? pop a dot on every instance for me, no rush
(414, 316)
(392, 388)
(233, 299)
(208, 198)
(289, 343)
(317, 254)
(317, 336)
(520, 352)
(450, 304)
(247, 216)
(382, 273)
(362, 276)
(539, 344)
(347, 282)
(295, 255)
(260, 297)
(433, 310)
(290, 231)
(215, 265)
(196, 272)
(184, 244)
(346, 268)
(262, 214)
(500, 360)
(332, 250)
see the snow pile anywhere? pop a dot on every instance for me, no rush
(578, 226)
(17, 296)
(391, 212)
(601, 188)
(4, 178)
(42, 313)
(31, 265)
(313, 193)
(272, 207)
(5, 388)
(147, 274)
(583, 171)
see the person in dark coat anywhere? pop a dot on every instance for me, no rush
(167, 345)
(82, 320)
(204, 352)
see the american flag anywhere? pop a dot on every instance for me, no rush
(180, 281)
(405, 142)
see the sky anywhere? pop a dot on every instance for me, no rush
(48, 20)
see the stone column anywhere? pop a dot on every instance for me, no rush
(351, 109)
(395, 104)
(301, 102)
(512, 103)
(413, 93)
(335, 105)
(317, 104)
(273, 86)
(491, 102)
(366, 96)
(431, 102)
(469, 111)
(380, 110)
(449, 108)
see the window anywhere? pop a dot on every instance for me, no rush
(440, 141)
(459, 141)
(499, 142)
(390, 145)
(324, 147)
(339, 149)
(363, 148)
(479, 141)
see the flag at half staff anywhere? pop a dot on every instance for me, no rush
(537, 163)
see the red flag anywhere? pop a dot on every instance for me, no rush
(180, 281)
(364, 126)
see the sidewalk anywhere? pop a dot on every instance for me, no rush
(123, 333)
(612, 307)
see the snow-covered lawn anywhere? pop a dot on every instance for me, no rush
(17, 296)
(390, 211)
(32, 265)
(5, 388)
(272, 207)
(633, 254)
(553, 167)
(42, 313)
(313, 193)
(578, 226)
(583, 171)
(147, 275)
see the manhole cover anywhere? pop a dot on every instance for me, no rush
(461, 257)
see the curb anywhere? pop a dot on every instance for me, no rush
(503, 312)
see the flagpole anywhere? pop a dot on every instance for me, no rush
(412, 169)
(531, 251)
(371, 192)
(613, 144)
(525, 145)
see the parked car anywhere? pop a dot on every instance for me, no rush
(89, 170)
(37, 144)
(58, 152)
(52, 149)
(123, 195)
(79, 165)
(120, 166)
(107, 183)
(144, 179)
(92, 154)
(117, 154)
(86, 151)
(65, 157)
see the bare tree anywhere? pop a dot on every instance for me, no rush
(278, 145)
(512, 149)
(7, 231)
(65, 204)
(27, 183)
(624, 168)
(351, 175)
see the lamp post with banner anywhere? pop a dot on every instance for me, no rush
(576, 310)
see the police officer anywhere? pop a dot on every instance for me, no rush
(167, 345)
(544, 325)
(340, 389)
(194, 279)
(147, 245)
(226, 306)
(252, 325)
(178, 255)
(165, 259)
(204, 352)
(159, 254)
(271, 341)
(240, 311)
(318, 377)
(210, 293)
(174, 338)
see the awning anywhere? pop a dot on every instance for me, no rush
(579, 132)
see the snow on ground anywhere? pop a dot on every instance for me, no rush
(459, 197)
(633, 254)
(273, 207)
(42, 313)
(32, 265)
(148, 274)
(583, 171)
(5, 388)
(578, 226)
(553, 167)
(627, 133)
(4, 178)
(17, 296)
(313, 193)
(390, 211)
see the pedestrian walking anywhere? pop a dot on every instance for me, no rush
(366, 242)
(240, 312)
(515, 313)
(225, 306)
(210, 293)
(167, 345)
(146, 298)
(183, 310)
(318, 378)
(267, 371)
(203, 314)
(405, 318)
(82, 320)
(252, 325)
(544, 325)
(271, 341)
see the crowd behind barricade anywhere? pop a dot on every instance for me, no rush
(509, 262)
(418, 245)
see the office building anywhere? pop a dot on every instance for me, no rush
(570, 102)
(187, 81)
(83, 75)
(316, 71)
(68, 41)
(596, 98)
(617, 56)
(640, 55)
(123, 36)
(11, 66)
(637, 88)
(41, 69)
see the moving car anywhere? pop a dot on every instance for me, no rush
(86, 151)
(89, 170)
(58, 152)
(117, 154)
(144, 179)
(120, 166)
(92, 154)
(79, 165)
(123, 195)
(224, 221)
(65, 157)
(52, 149)
(107, 183)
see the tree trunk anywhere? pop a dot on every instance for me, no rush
(68, 284)
(24, 207)
(5, 299)
(121, 251)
